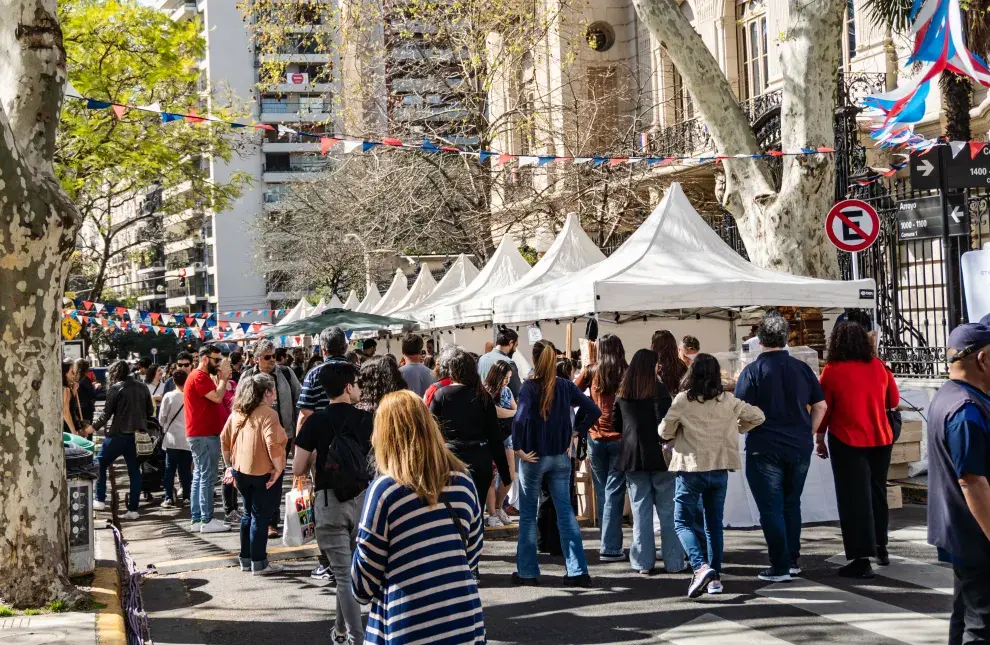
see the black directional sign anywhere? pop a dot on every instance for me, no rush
(921, 218)
(963, 168)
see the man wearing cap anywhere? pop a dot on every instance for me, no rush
(958, 490)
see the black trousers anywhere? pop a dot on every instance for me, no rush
(861, 492)
(479, 461)
(970, 621)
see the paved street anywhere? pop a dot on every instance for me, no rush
(908, 603)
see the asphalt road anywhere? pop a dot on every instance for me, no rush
(218, 605)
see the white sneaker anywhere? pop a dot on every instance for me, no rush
(272, 568)
(99, 506)
(214, 526)
(336, 637)
(195, 526)
(167, 503)
(502, 515)
(494, 522)
(131, 515)
(715, 587)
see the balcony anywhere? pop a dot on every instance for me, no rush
(185, 11)
(691, 137)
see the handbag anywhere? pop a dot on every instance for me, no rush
(300, 522)
(895, 420)
(144, 444)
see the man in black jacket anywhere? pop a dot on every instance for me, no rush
(129, 406)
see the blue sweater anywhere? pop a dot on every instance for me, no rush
(531, 433)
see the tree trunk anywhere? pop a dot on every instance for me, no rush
(38, 226)
(99, 283)
(783, 229)
(957, 92)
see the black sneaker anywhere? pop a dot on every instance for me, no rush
(322, 573)
(583, 581)
(769, 575)
(524, 582)
(883, 558)
(700, 580)
(857, 569)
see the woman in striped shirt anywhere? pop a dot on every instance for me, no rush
(420, 535)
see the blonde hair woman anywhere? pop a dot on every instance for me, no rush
(253, 444)
(421, 534)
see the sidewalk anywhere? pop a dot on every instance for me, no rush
(103, 626)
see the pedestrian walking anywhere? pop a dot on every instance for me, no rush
(378, 376)
(227, 487)
(183, 363)
(497, 386)
(335, 443)
(859, 389)
(778, 453)
(86, 392)
(72, 418)
(602, 380)
(205, 417)
(542, 437)
(958, 491)
(442, 371)
(704, 423)
(417, 376)
(178, 458)
(253, 444)
(670, 368)
(422, 508)
(506, 344)
(126, 411)
(468, 419)
(154, 378)
(690, 346)
(640, 406)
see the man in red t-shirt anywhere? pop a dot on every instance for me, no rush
(205, 416)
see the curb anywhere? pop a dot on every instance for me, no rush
(110, 629)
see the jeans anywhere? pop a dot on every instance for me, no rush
(178, 461)
(777, 482)
(649, 491)
(336, 530)
(206, 457)
(970, 620)
(557, 469)
(276, 514)
(258, 502)
(710, 488)
(610, 493)
(861, 492)
(120, 445)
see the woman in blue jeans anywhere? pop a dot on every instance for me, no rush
(640, 406)
(704, 423)
(602, 379)
(541, 436)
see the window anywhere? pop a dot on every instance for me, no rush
(848, 45)
(683, 103)
(753, 43)
(311, 104)
(603, 103)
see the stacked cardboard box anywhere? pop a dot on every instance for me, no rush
(907, 449)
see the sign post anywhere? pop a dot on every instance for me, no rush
(852, 226)
(952, 267)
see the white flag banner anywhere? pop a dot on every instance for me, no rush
(957, 147)
(528, 160)
(167, 319)
(151, 107)
(351, 146)
(581, 160)
(282, 131)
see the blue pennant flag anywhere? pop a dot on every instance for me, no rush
(429, 147)
(368, 145)
(93, 104)
(484, 156)
(168, 117)
(809, 151)
(598, 161)
(245, 327)
(542, 161)
(655, 160)
(238, 125)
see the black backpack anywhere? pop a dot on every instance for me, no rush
(346, 467)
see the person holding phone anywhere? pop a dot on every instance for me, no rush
(205, 417)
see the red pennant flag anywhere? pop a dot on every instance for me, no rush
(975, 148)
(87, 305)
(825, 149)
(503, 159)
(202, 334)
(256, 327)
(119, 110)
(775, 153)
(326, 143)
(449, 149)
(615, 161)
(121, 311)
(889, 172)
(155, 317)
(264, 126)
(389, 141)
(192, 118)
(189, 320)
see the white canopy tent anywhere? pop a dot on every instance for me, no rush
(371, 299)
(300, 311)
(394, 295)
(458, 276)
(420, 291)
(472, 305)
(321, 306)
(335, 303)
(674, 261)
(352, 301)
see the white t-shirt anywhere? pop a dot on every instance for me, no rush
(172, 417)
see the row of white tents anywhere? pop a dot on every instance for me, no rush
(674, 266)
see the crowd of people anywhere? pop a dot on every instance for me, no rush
(412, 457)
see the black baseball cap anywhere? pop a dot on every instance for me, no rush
(968, 338)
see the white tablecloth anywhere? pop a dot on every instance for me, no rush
(817, 502)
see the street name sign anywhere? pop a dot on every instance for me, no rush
(921, 218)
(964, 170)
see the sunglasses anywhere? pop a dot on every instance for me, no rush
(214, 359)
(268, 357)
(182, 364)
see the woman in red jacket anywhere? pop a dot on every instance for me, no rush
(859, 389)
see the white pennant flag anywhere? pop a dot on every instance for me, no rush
(155, 329)
(72, 92)
(151, 107)
(135, 316)
(957, 147)
(282, 131)
(167, 319)
(581, 160)
(200, 322)
(632, 160)
(351, 146)
(98, 307)
(528, 160)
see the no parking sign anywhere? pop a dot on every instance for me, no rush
(852, 225)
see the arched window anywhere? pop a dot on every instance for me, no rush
(752, 16)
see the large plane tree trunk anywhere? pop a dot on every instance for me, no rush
(38, 226)
(783, 229)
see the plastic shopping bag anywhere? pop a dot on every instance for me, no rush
(300, 523)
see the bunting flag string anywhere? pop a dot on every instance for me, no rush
(350, 145)
(221, 331)
(91, 308)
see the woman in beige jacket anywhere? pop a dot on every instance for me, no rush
(703, 427)
(253, 446)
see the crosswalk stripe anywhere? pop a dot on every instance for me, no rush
(866, 613)
(916, 534)
(712, 630)
(931, 576)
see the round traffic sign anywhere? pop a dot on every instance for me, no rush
(852, 225)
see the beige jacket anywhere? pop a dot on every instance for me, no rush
(706, 435)
(256, 444)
